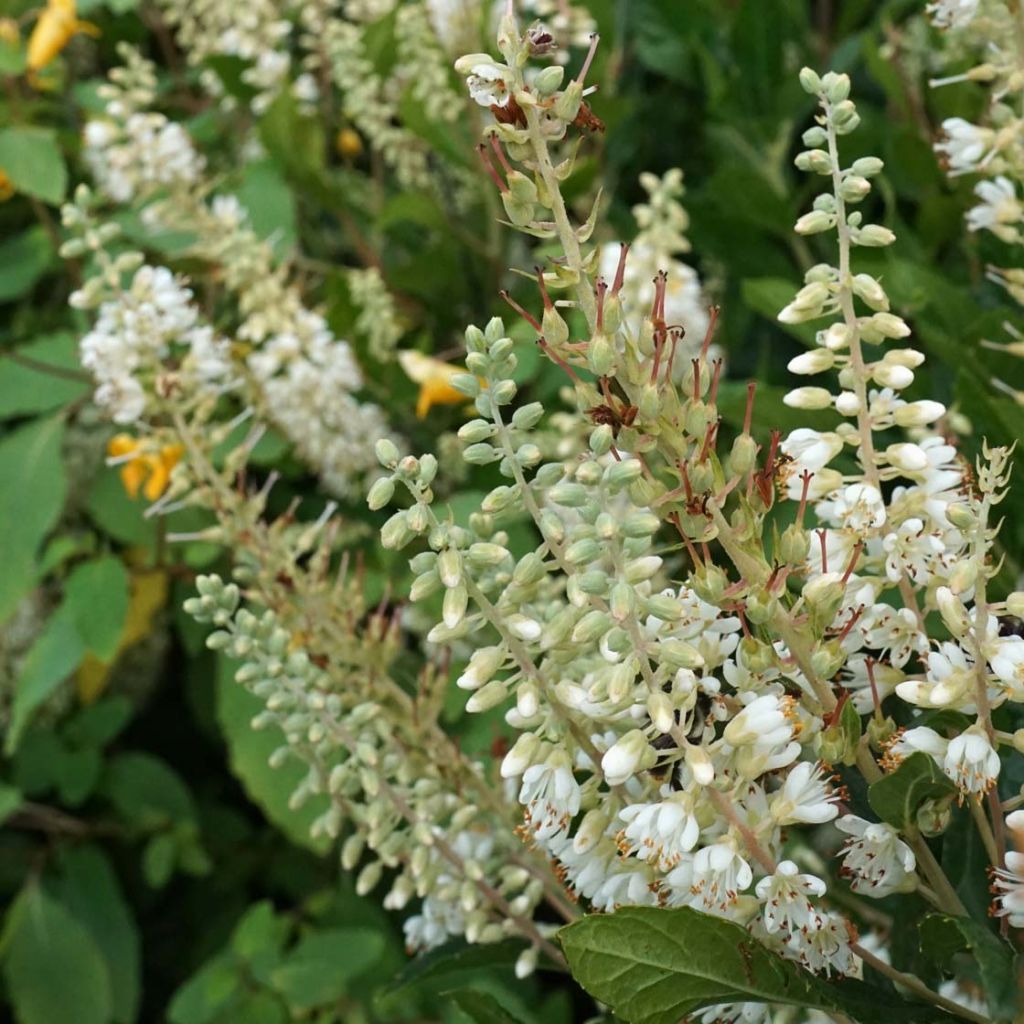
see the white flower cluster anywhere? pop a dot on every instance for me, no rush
(987, 33)
(661, 238)
(372, 769)
(130, 347)
(257, 31)
(135, 150)
(299, 375)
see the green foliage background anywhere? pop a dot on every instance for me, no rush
(150, 866)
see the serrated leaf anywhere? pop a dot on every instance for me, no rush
(32, 159)
(896, 797)
(943, 936)
(656, 966)
(54, 970)
(96, 597)
(30, 501)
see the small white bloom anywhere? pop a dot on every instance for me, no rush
(786, 898)
(875, 859)
(965, 145)
(971, 762)
(550, 794)
(999, 211)
(720, 874)
(805, 797)
(660, 833)
(488, 84)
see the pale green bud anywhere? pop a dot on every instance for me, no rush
(395, 533)
(601, 354)
(664, 607)
(873, 235)
(854, 188)
(815, 161)
(621, 474)
(582, 551)
(454, 606)
(623, 601)
(387, 453)
(814, 222)
(809, 79)
(475, 431)
(867, 166)
(488, 696)
(449, 567)
(640, 524)
(485, 556)
(549, 80)
(679, 654)
(381, 493)
(567, 106)
(592, 626)
(1015, 604)
(527, 416)
(424, 585)
(601, 438)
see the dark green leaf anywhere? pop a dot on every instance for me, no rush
(88, 887)
(54, 969)
(207, 992)
(10, 801)
(655, 966)
(896, 797)
(481, 1007)
(146, 791)
(30, 502)
(943, 936)
(323, 964)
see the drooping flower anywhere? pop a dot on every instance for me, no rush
(971, 762)
(875, 859)
(434, 378)
(786, 897)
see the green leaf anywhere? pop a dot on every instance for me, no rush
(481, 1007)
(32, 159)
(88, 887)
(270, 203)
(656, 966)
(147, 791)
(116, 514)
(26, 390)
(207, 992)
(942, 936)
(55, 654)
(31, 499)
(10, 801)
(96, 596)
(259, 939)
(449, 962)
(23, 261)
(54, 970)
(896, 797)
(248, 753)
(323, 964)
(158, 859)
(769, 296)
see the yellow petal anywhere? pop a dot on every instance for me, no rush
(122, 444)
(132, 476)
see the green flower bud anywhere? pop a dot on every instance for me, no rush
(527, 416)
(567, 106)
(810, 81)
(582, 551)
(549, 80)
(601, 354)
(386, 452)
(743, 455)
(679, 654)
(601, 438)
(623, 602)
(381, 492)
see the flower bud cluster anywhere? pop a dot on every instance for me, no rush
(396, 794)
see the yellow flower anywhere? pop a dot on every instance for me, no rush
(142, 468)
(6, 187)
(434, 378)
(53, 31)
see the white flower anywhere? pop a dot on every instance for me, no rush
(949, 682)
(858, 507)
(624, 757)
(812, 450)
(763, 733)
(805, 797)
(999, 210)
(720, 874)
(550, 794)
(971, 762)
(660, 833)
(913, 741)
(875, 859)
(911, 550)
(1008, 886)
(488, 84)
(824, 945)
(965, 144)
(1007, 663)
(786, 898)
(952, 13)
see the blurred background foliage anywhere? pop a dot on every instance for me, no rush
(150, 865)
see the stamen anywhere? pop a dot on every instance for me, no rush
(481, 150)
